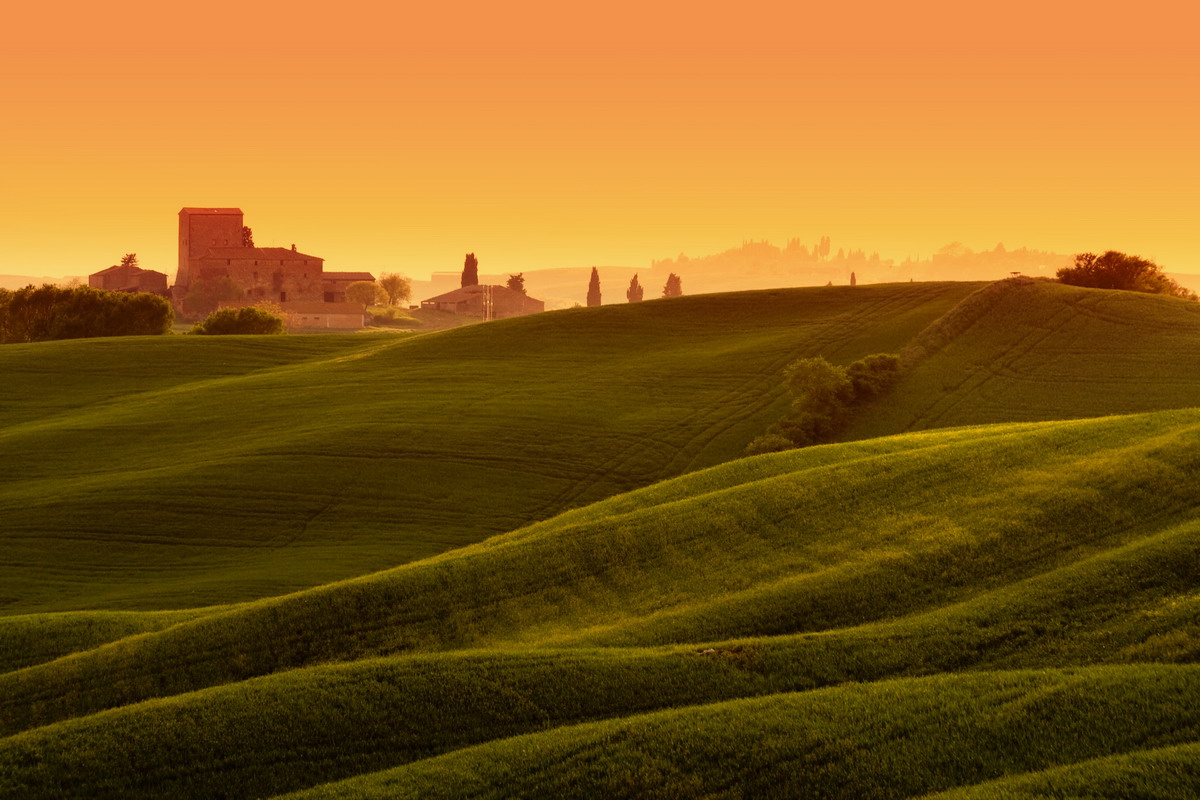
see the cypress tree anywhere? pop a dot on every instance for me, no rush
(593, 296)
(470, 273)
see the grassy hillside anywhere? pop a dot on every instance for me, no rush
(1005, 610)
(174, 472)
(1035, 350)
(976, 552)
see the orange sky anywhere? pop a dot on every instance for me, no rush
(540, 135)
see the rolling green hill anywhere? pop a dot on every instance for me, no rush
(1030, 350)
(970, 550)
(174, 472)
(1004, 610)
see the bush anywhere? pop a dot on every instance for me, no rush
(825, 396)
(229, 321)
(54, 312)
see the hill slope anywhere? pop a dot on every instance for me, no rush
(1028, 350)
(172, 472)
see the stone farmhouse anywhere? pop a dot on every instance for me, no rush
(485, 302)
(129, 279)
(211, 248)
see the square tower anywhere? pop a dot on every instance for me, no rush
(201, 229)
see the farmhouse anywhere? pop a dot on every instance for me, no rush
(486, 302)
(211, 247)
(122, 278)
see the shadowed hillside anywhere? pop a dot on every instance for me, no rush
(176, 472)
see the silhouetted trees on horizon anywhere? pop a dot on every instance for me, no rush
(516, 282)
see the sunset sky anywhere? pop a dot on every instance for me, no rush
(384, 137)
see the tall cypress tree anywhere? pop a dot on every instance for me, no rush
(470, 273)
(593, 298)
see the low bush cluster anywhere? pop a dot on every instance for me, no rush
(229, 321)
(38, 314)
(825, 395)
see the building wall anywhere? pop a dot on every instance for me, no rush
(277, 279)
(200, 230)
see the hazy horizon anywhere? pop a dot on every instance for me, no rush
(540, 136)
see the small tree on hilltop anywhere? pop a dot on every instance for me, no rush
(593, 295)
(366, 293)
(853, 280)
(247, 236)
(635, 291)
(673, 286)
(129, 260)
(470, 273)
(516, 282)
(397, 287)
(1115, 270)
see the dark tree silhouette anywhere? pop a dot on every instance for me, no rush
(470, 273)
(129, 260)
(635, 291)
(673, 286)
(248, 237)
(593, 296)
(516, 282)
(1115, 270)
(853, 280)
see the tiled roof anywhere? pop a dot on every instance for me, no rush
(210, 210)
(258, 252)
(466, 291)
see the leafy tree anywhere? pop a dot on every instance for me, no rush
(233, 321)
(516, 282)
(470, 273)
(366, 293)
(397, 287)
(593, 295)
(1115, 270)
(853, 279)
(635, 291)
(673, 286)
(129, 260)
(247, 236)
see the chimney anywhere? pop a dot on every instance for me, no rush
(293, 248)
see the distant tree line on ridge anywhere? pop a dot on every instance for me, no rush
(38, 314)
(825, 395)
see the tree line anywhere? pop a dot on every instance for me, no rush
(38, 314)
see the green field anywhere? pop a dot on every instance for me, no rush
(538, 568)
